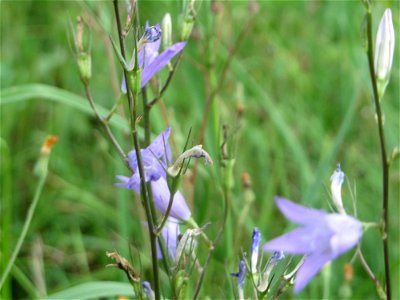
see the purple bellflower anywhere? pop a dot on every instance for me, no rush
(322, 238)
(149, 59)
(170, 234)
(255, 249)
(155, 158)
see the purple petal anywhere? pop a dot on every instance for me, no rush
(299, 214)
(170, 234)
(132, 182)
(159, 147)
(161, 197)
(149, 53)
(303, 240)
(309, 269)
(157, 64)
(348, 232)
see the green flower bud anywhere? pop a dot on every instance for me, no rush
(85, 66)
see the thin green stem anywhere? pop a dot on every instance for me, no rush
(143, 188)
(385, 165)
(370, 274)
(105, 125)
(216, 241)
(25, 228)
(167, 82)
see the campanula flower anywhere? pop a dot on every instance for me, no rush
(337, 179)
(155, 158)
(321, 238)
(255, 249)
(384, 46)
(170, 234)
(149, 59)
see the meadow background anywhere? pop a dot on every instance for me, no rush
(296, 100)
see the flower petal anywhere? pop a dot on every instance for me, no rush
(348, 232)
(303, 240)
(158, 63)
(170, 234)
(159, 147)
(309, 269)
(298, 213)
(161, 197)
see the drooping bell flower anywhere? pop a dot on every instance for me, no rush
(155, 159)
(321, 238)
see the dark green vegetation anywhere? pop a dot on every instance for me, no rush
(300, 75)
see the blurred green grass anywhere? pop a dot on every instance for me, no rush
(301, 75)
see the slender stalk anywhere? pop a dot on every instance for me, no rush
(370, 273)
(166, 215)
(167, 82)
(385, 165)
(104, 123)
(143, 187)
(25, 228)
(216, 241)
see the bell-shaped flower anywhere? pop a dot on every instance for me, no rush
(170, 234)
(149, 59)
(384, 47)
(155, 158)
(337, 179)
(321, 238)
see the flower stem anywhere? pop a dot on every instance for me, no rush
(26, 226)
(214, 244)
(104, 122)
(367, 269)
(143, 187)
(385, 165)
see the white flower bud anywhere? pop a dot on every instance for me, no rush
(166, 26)
(337, 179)
(384, 47)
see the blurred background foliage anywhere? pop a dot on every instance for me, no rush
(296, 100)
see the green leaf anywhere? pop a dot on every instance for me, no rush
(27, 92)
(94, 290)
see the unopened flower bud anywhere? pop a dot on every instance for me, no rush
(84, 60)
(187, 27)
(166, 26)
(384, 47)
(41, 165)
(241, 275)
(149, 293)
(348, 272)
(336, 188)
(85, 66)
(255, 249)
